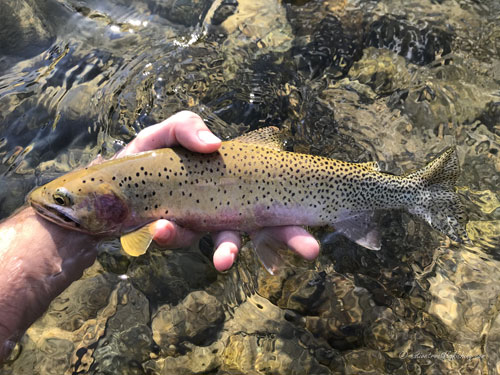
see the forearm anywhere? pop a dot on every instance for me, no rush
(38, 260)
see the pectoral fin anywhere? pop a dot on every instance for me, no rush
(136, 243)
(361, 228)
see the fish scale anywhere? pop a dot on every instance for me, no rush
(248, 184)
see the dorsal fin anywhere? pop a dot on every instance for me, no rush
(373, 165)
(270, 137)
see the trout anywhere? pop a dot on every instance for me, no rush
(248, 184)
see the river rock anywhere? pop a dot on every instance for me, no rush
(196, 320)
(269, 354)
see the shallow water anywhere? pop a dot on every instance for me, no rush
(391, 81)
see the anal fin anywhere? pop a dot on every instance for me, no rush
(136, 243)
(266, 248)
(361, 228)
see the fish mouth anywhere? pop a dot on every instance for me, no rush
(57, 215)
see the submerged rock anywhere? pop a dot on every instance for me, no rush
(268, 354)
(127, 341)
(323, 42)
(195, 320)
(419, 43)
(197, 360)
(261, 340)
(365, 362)
(492, 345)
(382, 70)
(184, 12)
(169, 276)
(28, 28)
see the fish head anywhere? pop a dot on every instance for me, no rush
(87, 204)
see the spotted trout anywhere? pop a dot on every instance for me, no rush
(248, 184)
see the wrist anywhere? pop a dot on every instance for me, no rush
(38, 260)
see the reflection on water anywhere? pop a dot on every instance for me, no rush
(354, 80)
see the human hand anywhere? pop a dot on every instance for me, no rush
(188, 130)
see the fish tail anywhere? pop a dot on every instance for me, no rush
(437, 203)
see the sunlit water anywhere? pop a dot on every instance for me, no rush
(391, 81)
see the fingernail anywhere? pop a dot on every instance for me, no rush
(206, 137)
(231, 250)
(231, 254)
(234, 251)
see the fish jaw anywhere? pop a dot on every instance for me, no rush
(57, 215)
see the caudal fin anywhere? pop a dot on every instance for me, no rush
(437, 203)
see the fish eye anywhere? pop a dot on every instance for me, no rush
(62, 197)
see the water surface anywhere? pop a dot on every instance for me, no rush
(392, 81)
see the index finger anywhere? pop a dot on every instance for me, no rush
(184, 128)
